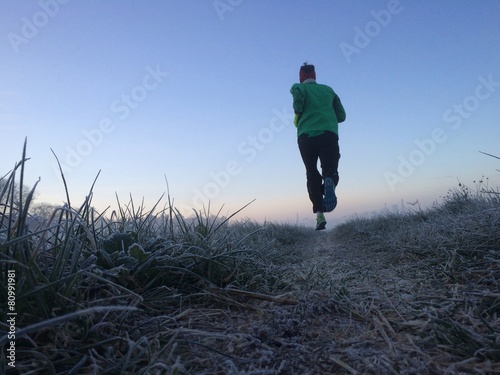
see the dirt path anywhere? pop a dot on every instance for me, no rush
(352, 316)
(359, 309)
(353, 302)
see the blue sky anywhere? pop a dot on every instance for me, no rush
(197, 92)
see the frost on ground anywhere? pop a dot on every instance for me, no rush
(146, 292)
(401, 295)
(357, 311)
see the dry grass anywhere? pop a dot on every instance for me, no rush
(147, 291)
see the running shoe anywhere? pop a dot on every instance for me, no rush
(320, 222)
(330, 199)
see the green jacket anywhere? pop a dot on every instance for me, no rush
(318, 108)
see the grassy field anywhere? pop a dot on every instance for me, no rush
(148, 291)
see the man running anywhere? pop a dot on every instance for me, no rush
(318, 111)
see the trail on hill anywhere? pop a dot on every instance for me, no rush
(356, 311)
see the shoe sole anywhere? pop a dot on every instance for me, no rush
(330, 200)
(321, 226)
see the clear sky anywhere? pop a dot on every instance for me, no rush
(197, 92)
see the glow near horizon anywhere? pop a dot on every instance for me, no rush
(198, 92)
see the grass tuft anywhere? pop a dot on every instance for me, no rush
(103, 294)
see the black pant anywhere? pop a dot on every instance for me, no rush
(324, 147)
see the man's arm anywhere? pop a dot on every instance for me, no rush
(298, 99)
(339, 109)
(298, 103)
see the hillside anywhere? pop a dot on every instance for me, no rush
(146, 291)
(399, 294)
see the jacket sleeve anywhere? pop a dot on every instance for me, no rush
(339, 109)
(298, 98)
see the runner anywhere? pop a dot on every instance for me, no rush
(318, 111)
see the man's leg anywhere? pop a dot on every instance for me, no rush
(309, 153)
(329, 156)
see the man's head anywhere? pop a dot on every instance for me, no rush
(307, 71)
